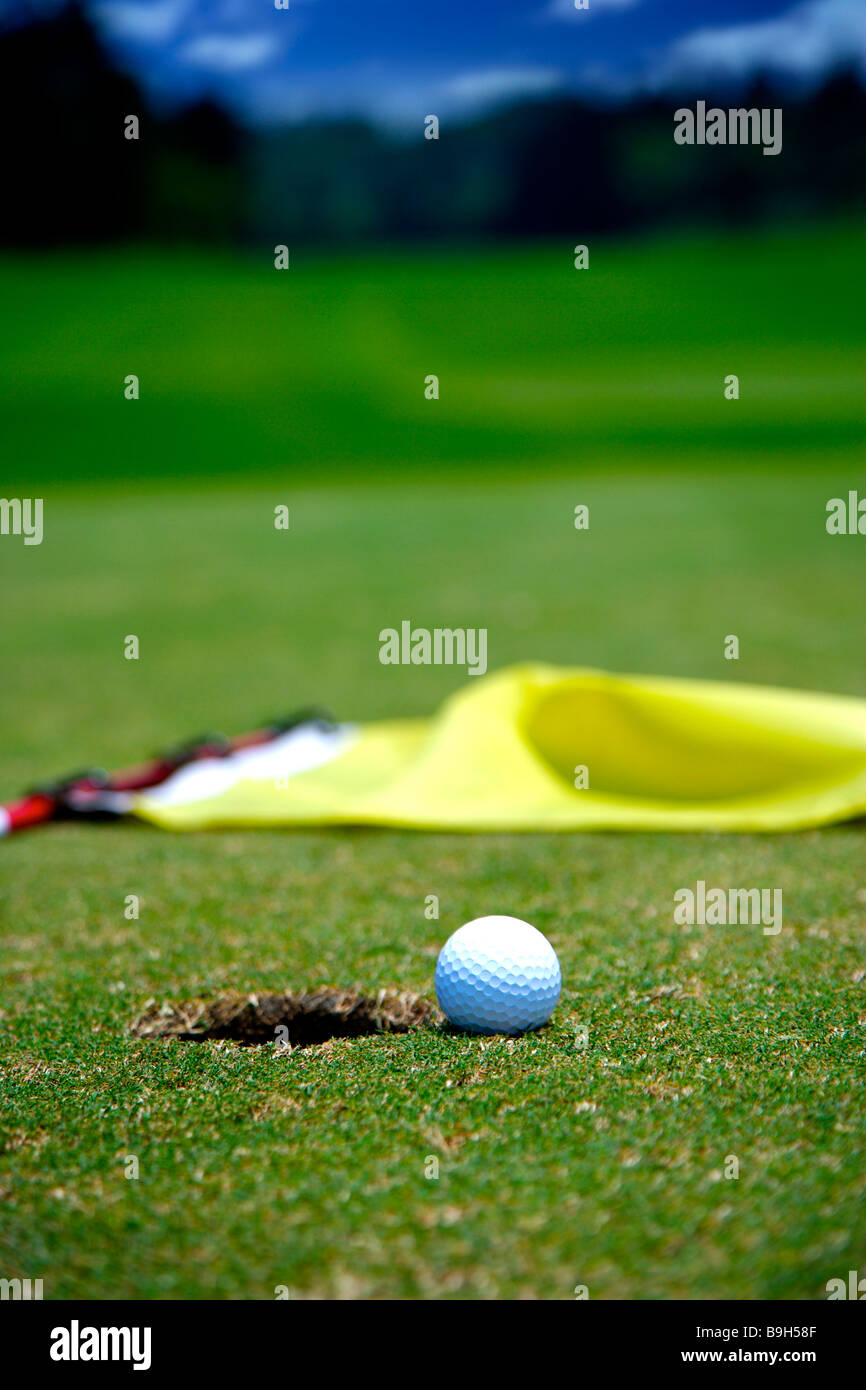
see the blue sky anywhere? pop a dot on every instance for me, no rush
(398, 60)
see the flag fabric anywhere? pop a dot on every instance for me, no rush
(534, 748)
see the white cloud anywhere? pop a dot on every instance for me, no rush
(496, 84)
(230, 52)
(394, 98)
(564, 9)
(804, 42)
(142, 23)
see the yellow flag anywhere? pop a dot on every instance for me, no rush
(543, 748)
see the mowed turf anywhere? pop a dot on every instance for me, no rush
(567, 1157)
(321, 369)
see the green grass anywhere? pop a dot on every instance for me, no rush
(320, 369)
(559, 1165)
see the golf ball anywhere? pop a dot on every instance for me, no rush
(497, 975)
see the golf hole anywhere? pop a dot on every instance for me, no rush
(308, 1019)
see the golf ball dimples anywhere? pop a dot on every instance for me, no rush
(497, 975)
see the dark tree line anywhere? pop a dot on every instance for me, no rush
(71, 176)
(543, 168)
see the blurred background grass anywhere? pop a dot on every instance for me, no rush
(319, 371)
(238, 621)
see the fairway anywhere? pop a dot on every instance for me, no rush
(320, 370)
(566, 1157)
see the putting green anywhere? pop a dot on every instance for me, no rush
(595, 1152)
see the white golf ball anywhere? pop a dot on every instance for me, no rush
(497, 975)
